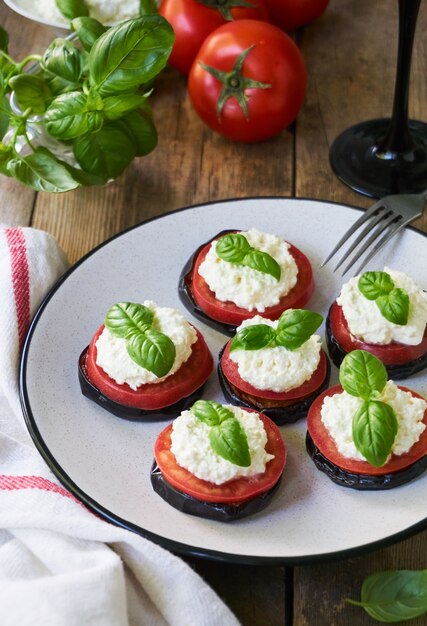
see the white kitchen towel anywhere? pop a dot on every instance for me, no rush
(60, 564)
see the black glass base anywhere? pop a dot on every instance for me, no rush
(359, 160)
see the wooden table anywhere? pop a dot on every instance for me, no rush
(350, 54)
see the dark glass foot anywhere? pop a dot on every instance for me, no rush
(359, 160)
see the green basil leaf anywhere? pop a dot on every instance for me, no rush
(140, 129)
(229, 441)
(362, 374)
(130, 54)
(147, 7)
(374, 431)
(32, 92)
(375, 284)
(127, 317)
(4, 115)
(72, 8)
(6, 155)
(152, 350)
(118, 106)
(262, 262)
(4, 39)
(88, 30)
(232, 247)
(395, 306)
(296, 326)
(394, 596)
(105, 153)
(42, 171)
(253, 337)
(68, 116)
(62, 61)
(211, 413)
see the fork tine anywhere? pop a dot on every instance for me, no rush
(377, 232)
(382, 214)
(365, 216)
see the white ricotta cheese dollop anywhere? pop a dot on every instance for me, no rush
(364, 318)
(105, 11)
(277, 369)
(114, 359)
(248, 288)
(338, 410)
(192, 450)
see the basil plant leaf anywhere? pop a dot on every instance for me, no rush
(394, 596)
(395, 306)
(296, 326)
(72, 8)
(4, 115)
(152, 350)
(115, 107)
(32, 92)
(140, 128)
(374, 431)
(62, 60)
(124, 318)
(88, 30)
(105, 153)
(4, 39)
(130, 54)
(42, 171)
(232, 247)
(211, 413)
(229, 441)
(68, 117)
(6, 154)
(253, 337)
(262, 262)
(375, 284)
(147, 7)
(362, 374)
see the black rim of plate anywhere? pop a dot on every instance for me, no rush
(170, 544)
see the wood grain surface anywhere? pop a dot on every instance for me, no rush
(350, 54)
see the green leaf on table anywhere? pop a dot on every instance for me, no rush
(375, 284)
(105, 153)
(262, 262)
(118, 106)
(42, 171)
(127, 317)
(230, 442)
(130, 54)
(232, 247)
(395, 306)
(68, 117)
(63, 65)
(32, 92)
(296, 326)
(88, 30)
(362, 374)
(394, 596)
(152, 350)
(254, 337)
(210, 412)
(374, 431)
(72, 8)
(140, 129)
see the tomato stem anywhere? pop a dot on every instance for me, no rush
(224, 6)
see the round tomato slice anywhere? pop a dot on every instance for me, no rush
(231, 372)
(229, 313)
(390, 354)
(324, 442)
(190, 376)
(233, 491)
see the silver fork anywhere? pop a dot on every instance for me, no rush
(386, 217)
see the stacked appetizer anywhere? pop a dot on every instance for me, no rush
(368, 433)
(278, 367)
(238, 275)
(219, 462)
(384, 313)
(145, 361)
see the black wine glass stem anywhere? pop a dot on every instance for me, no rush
(398, 138)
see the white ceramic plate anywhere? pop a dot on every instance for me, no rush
(105, 461)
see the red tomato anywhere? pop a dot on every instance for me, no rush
(391, 354)
(190, 376)
(229, 313)
(327, 447)
(273, 398)
(233, 491)
(291, 14)
(221, 95)
(192, 21)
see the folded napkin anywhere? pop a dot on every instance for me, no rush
(61, 565)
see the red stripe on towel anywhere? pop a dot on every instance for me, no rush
(20, 279)
(14, 483)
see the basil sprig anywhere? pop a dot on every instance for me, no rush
(393, 302)
(149, 348)
(374, 424)
(295, 327)
(235, 248)
(226, 435)
(394, 596)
